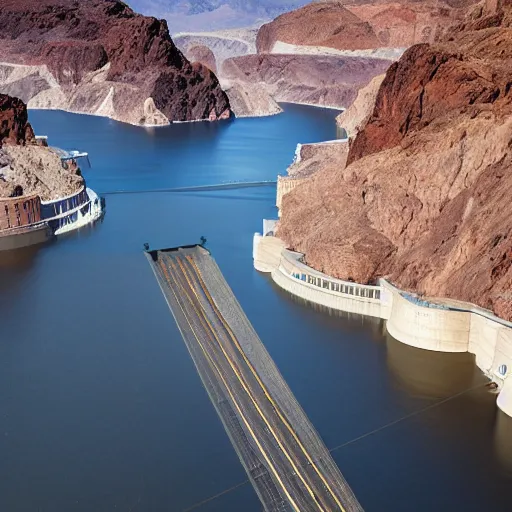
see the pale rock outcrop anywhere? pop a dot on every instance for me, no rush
(250, 100)
(328, 81)
(27, 168)
(357, 115)
(223, 44)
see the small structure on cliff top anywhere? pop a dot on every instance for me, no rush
(42, 191)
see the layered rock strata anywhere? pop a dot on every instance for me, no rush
(100, 57)
(362, 25)
(425, 197)
(224, 44)
(319, 80)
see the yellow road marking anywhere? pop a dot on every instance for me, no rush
(263, 387)
(244, 385)
(212, 362)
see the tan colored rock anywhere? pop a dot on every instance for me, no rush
(331, 81)
(250, 100)
(360, 25)
(38, 170)
(202, 54)
(318, 24)
(356, 116)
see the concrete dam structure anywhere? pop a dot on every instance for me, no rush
(439, 325)
(286, 461)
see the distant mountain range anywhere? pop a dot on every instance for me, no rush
(207, 15)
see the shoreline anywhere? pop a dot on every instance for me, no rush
(436, 324)
(92, 114)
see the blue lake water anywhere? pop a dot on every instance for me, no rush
(101, 408)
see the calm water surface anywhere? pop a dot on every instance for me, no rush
(101, 408)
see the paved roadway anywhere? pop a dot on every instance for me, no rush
(283, 471)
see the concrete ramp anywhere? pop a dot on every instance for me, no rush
(286, 461)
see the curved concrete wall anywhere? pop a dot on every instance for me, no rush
(327, 298)
(50, 209)
(267, 252)
(292, 275)
(505, 398)
(440, 327)
(427, 328)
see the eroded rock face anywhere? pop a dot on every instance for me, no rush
(27, 168)
(250, 100)
(428, 82)
(318, 24)
(102, 50)
(359, 25)
(202, 54)
(318, 80)
(356, 116)
(425, 198)
(14, 125)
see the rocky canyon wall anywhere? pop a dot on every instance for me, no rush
(425, 198)
(350, 25)
(100, 57)
(320, 80)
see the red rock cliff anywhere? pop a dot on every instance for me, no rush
(425, 198)
(318, 24)
(14, 125)
(363, 24)
(136, 54)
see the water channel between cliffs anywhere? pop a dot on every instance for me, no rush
(101, 408)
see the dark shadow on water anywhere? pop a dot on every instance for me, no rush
(503, 442)
(19, 260)
(428, 374)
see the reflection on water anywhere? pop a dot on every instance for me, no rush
(429, 374)
(503, 441)
(369, 325)
(17, 259)
(14, 266)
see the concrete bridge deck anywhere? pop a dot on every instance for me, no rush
(285, 459)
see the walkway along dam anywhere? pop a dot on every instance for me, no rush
(440, 325)
(286, 461)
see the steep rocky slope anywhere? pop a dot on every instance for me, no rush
(425, 198)
(250, 99)
(357, 115)
(319, 80)
(367, 24)
(100, 57)
(318, 24)
(25, 167)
